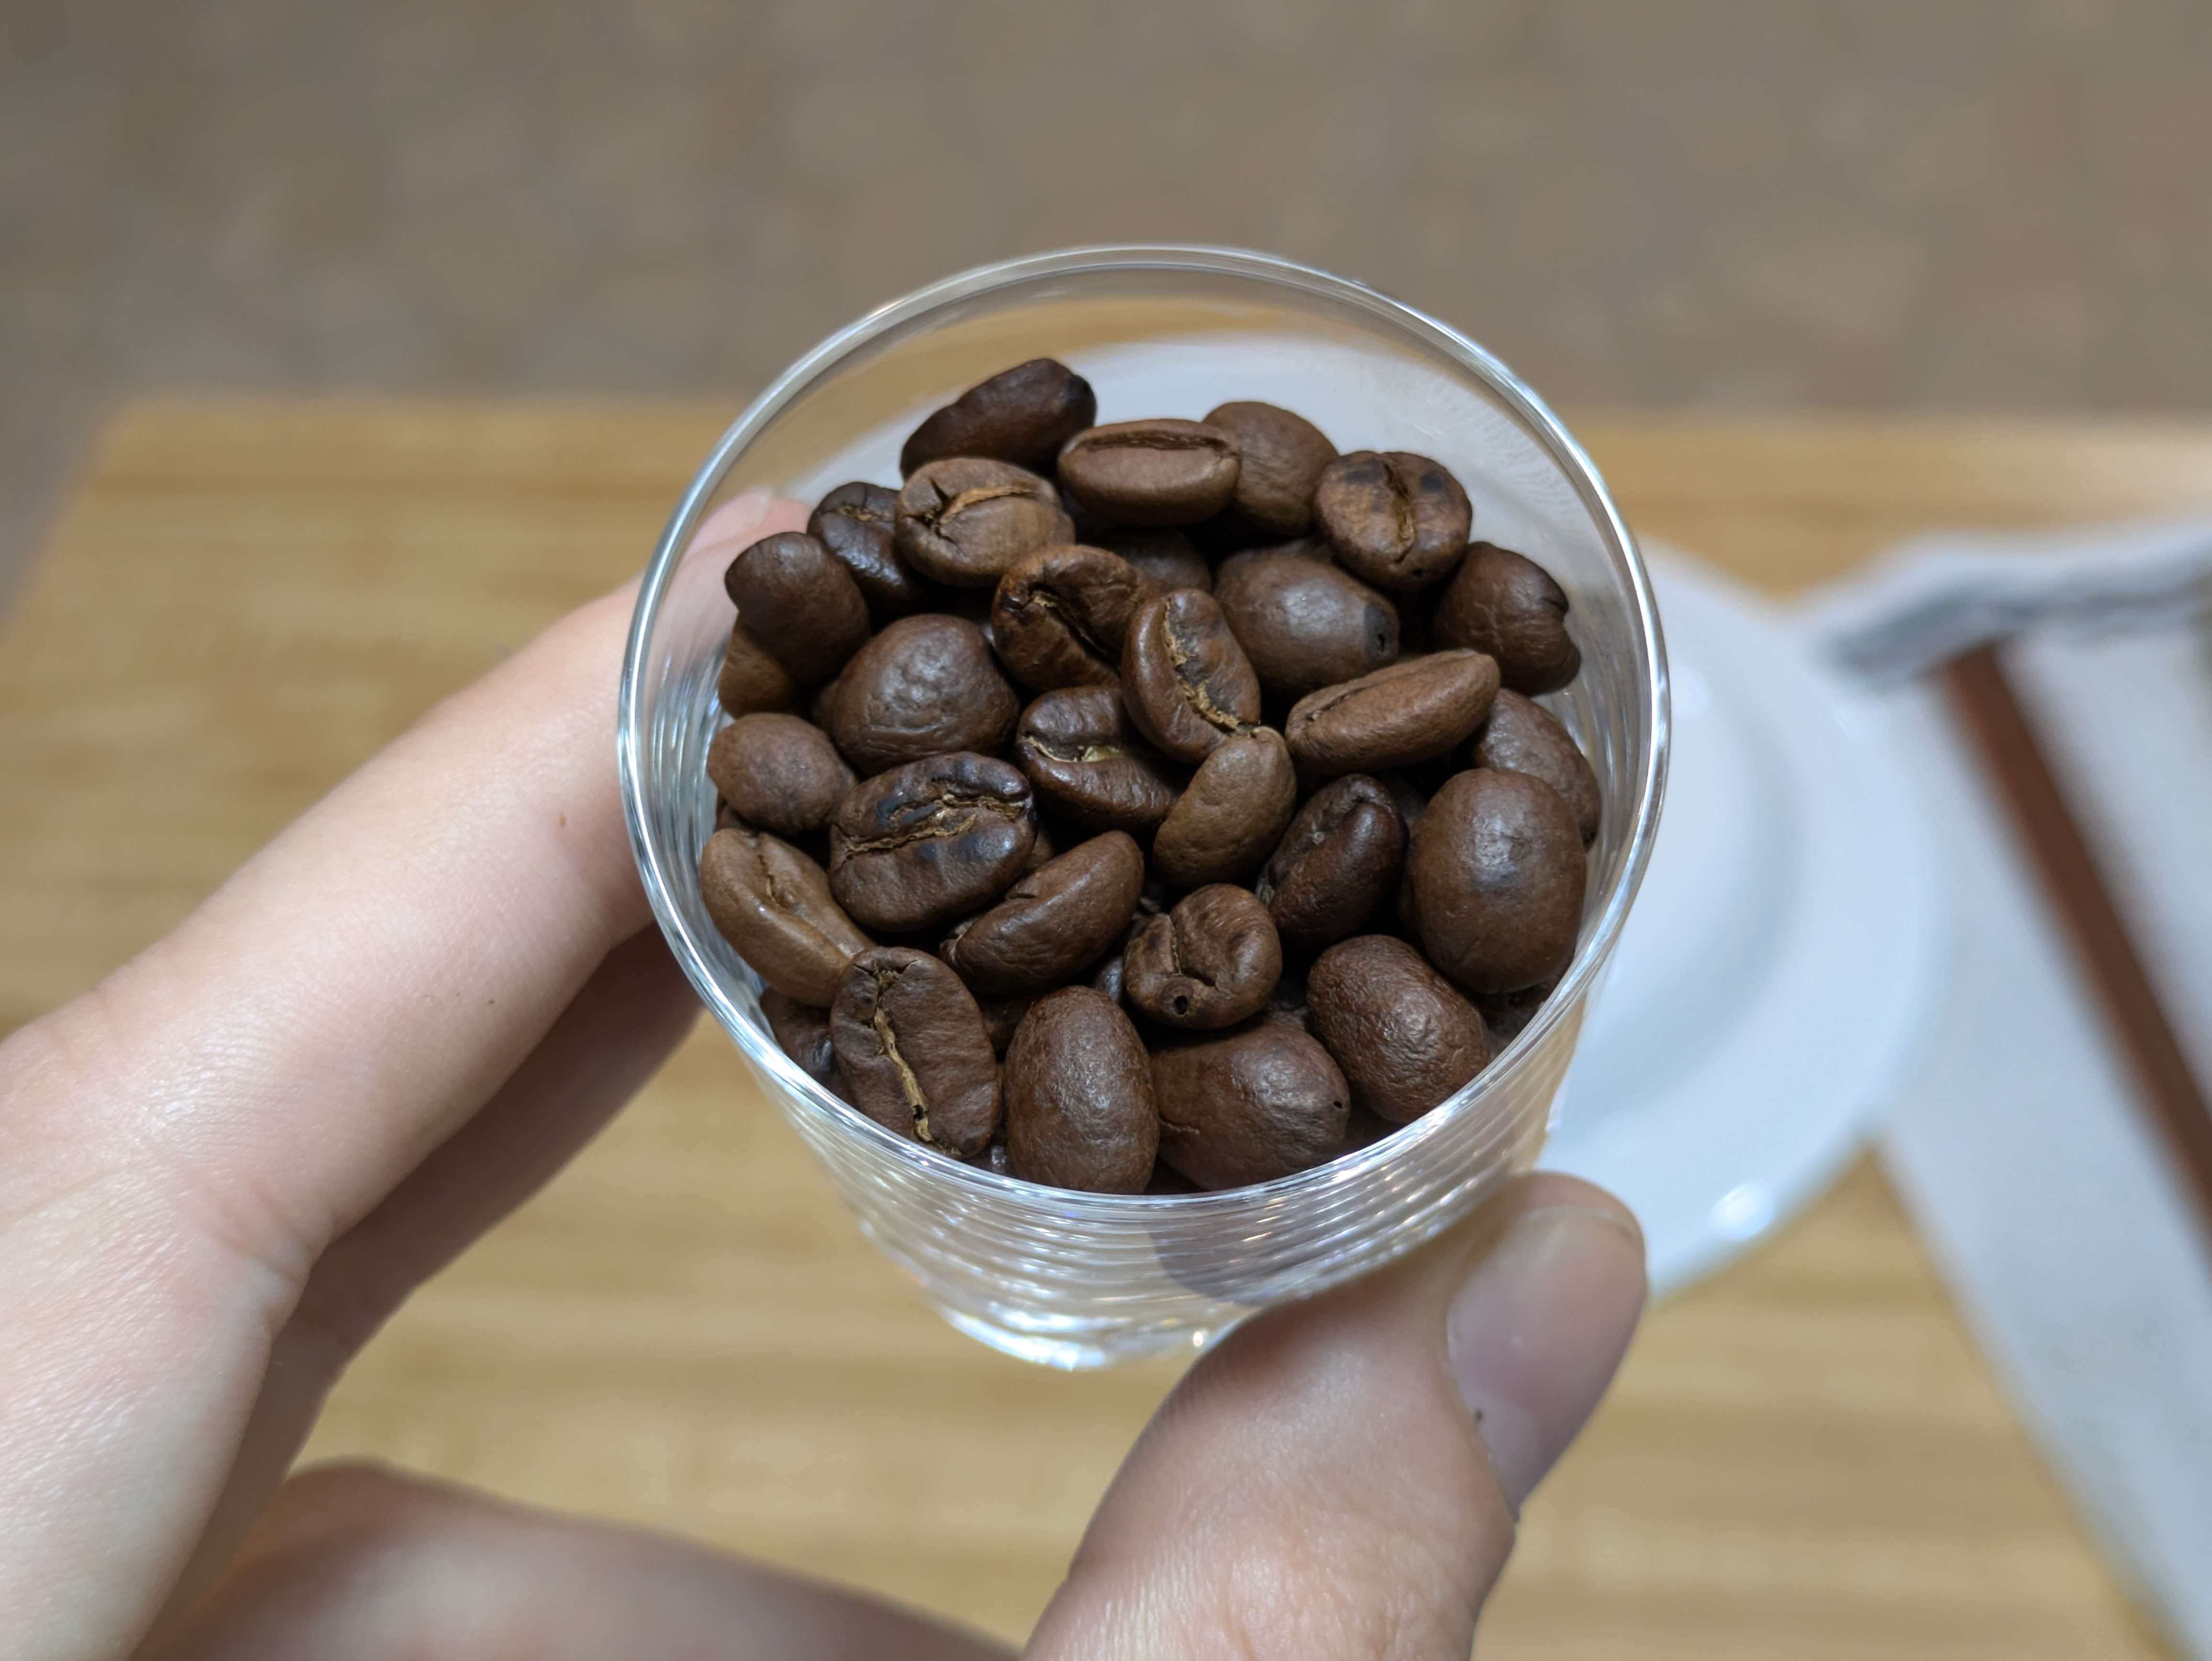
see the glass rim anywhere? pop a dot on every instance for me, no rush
(754, 1042)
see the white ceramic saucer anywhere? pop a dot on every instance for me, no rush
(1774, 975)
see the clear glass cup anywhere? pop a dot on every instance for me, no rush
(1083, 1280)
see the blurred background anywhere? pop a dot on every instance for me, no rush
(1922, 205)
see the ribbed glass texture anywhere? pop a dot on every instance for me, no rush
(1076, 1280)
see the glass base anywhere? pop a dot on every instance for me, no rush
(1083, 1353)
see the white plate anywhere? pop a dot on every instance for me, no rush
(1782, 954)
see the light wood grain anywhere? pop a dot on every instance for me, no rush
(1803, 1457)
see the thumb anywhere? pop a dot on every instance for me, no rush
(1340, 1477)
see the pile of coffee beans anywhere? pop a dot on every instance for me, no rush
(1169, 808)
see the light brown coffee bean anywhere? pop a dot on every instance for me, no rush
(926, 686)
(1281, 459)
(962, 521)
(1497, 872)
(1210, 963)
(799, 604)
(1078, 1097)
(779, 772)
(1404, 1037)
(1506, 604)
(1231, 815)
(1263, 1101)
(1396, 519)
(776, 907)
(1060, 615)
(1521, 736)
(1413, 711)
(1185, 680)
(1054, 923)
(910, 1043)
(1160, 471)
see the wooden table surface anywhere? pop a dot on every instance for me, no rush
(1804, 1456)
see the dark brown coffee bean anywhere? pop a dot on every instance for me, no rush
(963, 520)
(1305, 625)
(1111, 976)
(775, 905)
(1506, 604)
(911, 1044)
(779, 772)
(1022, 414)
(1231, 813)
(1411, 712)
(1404, 1037)
(1338, 864)
(1002, 1015)
(1397, 520)
(1208, 963)
(857, 522)
(926, 686)
(1249, 1105)
(750, 679)
(1506, 1013)
(1079, 1094)
(1061, 614)
(1281, 459)
(1165, 557)
(1161, 472)
(921, 844)
(802, 1031)
(1053, 924)
(1497, 872)
(1521, 736)
(1088, 762)
(799, 604)
(1186, 681)
(1287, 1002)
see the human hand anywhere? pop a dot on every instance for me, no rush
(222, 1168)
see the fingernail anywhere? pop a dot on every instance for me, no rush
(1536, 1332)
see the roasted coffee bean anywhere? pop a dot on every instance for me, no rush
(1497, 871)
(1521, 736)
(1111, 976)
(726, 816)
(799, 604)
(1022, 414)
(1002, 1015)
(1281, 459)
(1404, 1037)
(779, 772)
(963, 520)
(911, 1044)
(1506, 604)
(1287, 1002)
(919, 845)
(1163, 556)
(1338, 864)
(1061, 616)
(802, 1031)
(1397, 520)
(1043, 849)
(775, 905)
(1186, 681)
(1053, 924)
(1208, 963)
(857, 522)
(1162, 471)
(1078, 1096)
(1249, 1105)
(1411, 712)
(750, 679)
(1231, 813)
(1506, 1013)
(1088, 764)
(926, 686)
(1304, 624)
